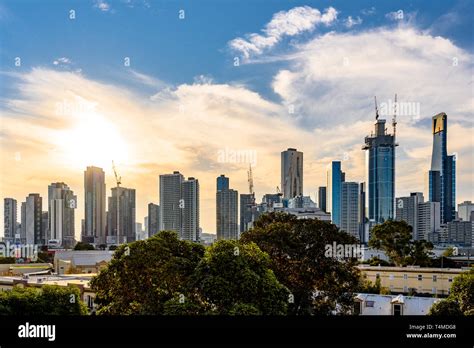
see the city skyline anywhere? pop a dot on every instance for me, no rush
(64, 110)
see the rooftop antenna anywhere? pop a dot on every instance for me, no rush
(394, 120)
(376, 109)
(118, 180)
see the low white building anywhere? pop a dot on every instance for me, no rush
(374, 304)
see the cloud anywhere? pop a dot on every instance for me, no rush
(62, 61)
(369, 11)
(102, 5)
(283, 24)
(349, 22)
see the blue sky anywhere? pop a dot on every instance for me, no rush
(306, 78)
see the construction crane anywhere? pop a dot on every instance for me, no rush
(118, 180)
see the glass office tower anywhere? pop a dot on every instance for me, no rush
(442, 176)
(381, 173)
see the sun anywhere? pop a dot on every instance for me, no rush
(92, 141)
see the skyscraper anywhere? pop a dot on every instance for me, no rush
(61, 205)
(380, 148)
(350, 208)
(248, 211)
(291, 173)
(442, 176)
(363, 226)
(222, 183)
(322, 198)
(127, 216)
(170, 199)
(94, 202)
(153, 219)
(333, 192)
(226, 210)
(190, 209)
(428, 220)
(31, 211)
(407, 210)
(465, 210)
(9, 219)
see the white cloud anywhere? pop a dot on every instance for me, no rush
(369, 11)
(349, 22)
(62, 61)
(102, 5)
(284, 23)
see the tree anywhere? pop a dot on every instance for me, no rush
(461, 297)
(394, 238)
(448, 252)
(83, 246)
(142, 276)
(235, 278)
(297, 249)
(47, 300)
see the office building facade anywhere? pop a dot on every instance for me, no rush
(350, 208)
(291, 173)
(333, 191)
(9, 219)
(226, 211)
(442, 175)
(61, 206)
(428, 220)
(126, 216)
(32, 224)
(248, 211)
(170, 201)
(465, 211)
(94, 206)
(380, 147)
(322, 198)
(190, 210)
(153, 220)
(407, 210)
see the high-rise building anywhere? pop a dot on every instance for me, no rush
(407, 210)
(460, 232)
(222, 183)
(380, 148)
(127, 215)
(190, 210)
(442, 176)
(333, 192)
(322, 198)
(31, 210)
(350, 208)
(291, 173)
(9, 219)
(61, 205)
(465, 210)
(171, 203)
(94, 205)
(428, 220)
(362, 217)
(227, 226)
(153, 222)
(248, 211)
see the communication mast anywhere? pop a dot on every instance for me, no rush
(250, 179)
(376, 109)
(394, 120)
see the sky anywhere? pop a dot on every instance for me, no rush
(159, 86)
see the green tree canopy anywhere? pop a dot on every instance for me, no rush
(297, 249)
(461, 297)
(142, 276)
(47, 300)
(395, 239)
(235, 278)
(83, 246)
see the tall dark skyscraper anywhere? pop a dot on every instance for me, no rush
(31, 220)
(335, 177)
(190, 212)
(153, 219)
(226, 210)
(291, 173)
(9, 218)
(94, 201)
(322, 198)
(248, 211)
(127, 215)
(380, 148)
(171, 204)
(442, 176)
